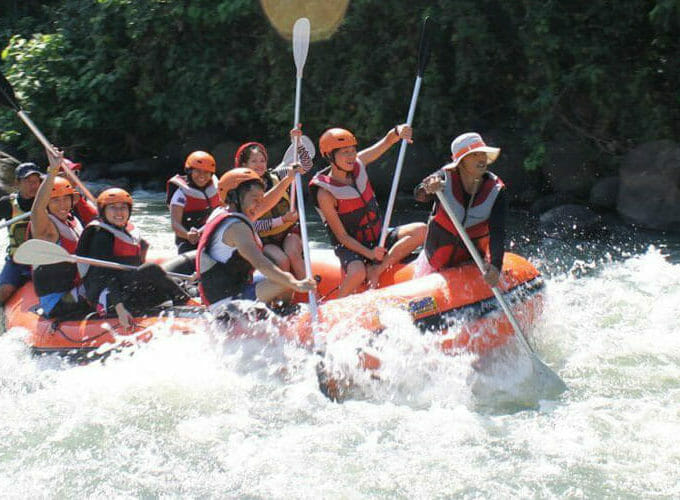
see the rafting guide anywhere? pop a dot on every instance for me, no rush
(479, 200)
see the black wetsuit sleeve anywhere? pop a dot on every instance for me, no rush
(5, 208)
(98, 278)
(497, 229)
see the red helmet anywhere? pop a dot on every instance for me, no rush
(111, 196)
(240, 156)
(200, 160)
(234, 178)
(335, 138)
(62, 187)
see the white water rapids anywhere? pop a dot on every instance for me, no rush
(200, 416)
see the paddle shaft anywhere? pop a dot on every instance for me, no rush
(423, 56)
(11, 221)
(480, 264)
(43, 140)
(400, 163)
(120, 267)
(296, 142)
(300, 48)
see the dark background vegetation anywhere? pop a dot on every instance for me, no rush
(115, 80)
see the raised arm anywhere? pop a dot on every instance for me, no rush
(378, 149)
(240, 236)
(41, 225)
(272, 197)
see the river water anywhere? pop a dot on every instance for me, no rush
(197, 416)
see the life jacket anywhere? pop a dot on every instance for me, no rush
(199, 201)
(280, 209)
(357, 207)
(17, 231)
(128, 246)
(85, 211)
(219, 279)
(443, 245)
(62, 276)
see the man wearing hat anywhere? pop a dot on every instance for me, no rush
(14, 275)
(479, 201)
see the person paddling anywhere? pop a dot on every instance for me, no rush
(278, 228)
(52, 219)
(479, 201)
(347, 205)
(230, 251)
(28, 177)
(114, 238)
(191, 198)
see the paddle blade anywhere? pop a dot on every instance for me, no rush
(424, 47)
(306, 153)
(40, 253)
(300, 43)
(7, 97)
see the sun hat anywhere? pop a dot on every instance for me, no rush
(471, 142)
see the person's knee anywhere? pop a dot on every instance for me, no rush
(356, 272)
(419, 232)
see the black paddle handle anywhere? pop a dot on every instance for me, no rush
(424, 46)
(7, 94)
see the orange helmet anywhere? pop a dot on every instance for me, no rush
(62, 187)
(200, 160)
(234, 178)
(113, 195)
(335, 138)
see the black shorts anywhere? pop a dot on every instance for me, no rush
(347, 256)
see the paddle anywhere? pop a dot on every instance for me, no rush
(7, 98)
(551, 380)
(423, 56)
(300, 48)
(11, 221)
(43, 253)
(305, 154)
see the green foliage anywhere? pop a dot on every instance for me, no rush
(123, 78)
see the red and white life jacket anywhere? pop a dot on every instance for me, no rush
(62, 276)
(443, 245)
(224, 275)
(128, 246)
(357, 207)
(200, 202)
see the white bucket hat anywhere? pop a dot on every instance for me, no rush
(471, 142)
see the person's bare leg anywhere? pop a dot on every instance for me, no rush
(277, 256)
(292, 246)
(409, 237)
(356, 275)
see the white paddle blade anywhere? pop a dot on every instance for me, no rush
(306, 153)
(300, 43)
(41, 253)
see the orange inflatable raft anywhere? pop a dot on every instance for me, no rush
(78, 338)
(456, 303)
